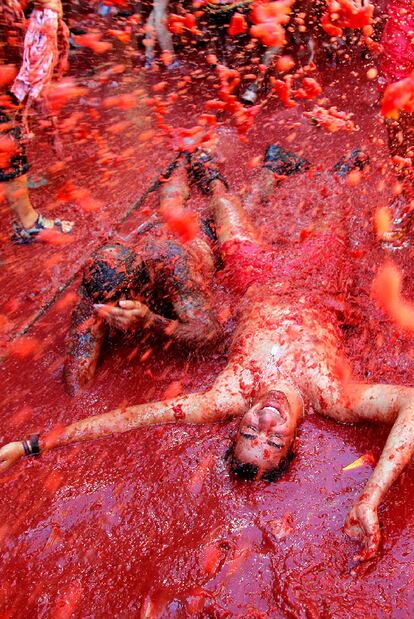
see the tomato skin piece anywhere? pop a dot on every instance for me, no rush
(238, 25)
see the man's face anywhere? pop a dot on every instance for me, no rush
(265, 433)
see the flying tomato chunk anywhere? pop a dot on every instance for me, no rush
(269, 20)
(310, 89)
(386, 290)
(238, 25)
(342, 14)
(398, 97)
(366, 459)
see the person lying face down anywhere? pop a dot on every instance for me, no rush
(284, 357)
(158, 286)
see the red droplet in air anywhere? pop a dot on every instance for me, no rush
(7, 74)
(269, 21)
(123, 102)
(62, 92)
(382, 221)
(182, 223)
(160, 86)
(175, 388)
(332, 119)
(397, 97)
(283, 90)
(386, 290)
(310, 89)
(212, 59)
(124, 36)
(342, 14)
(24, 347)
(92, 40)
(176, 23)
(238, 25)
(285, 64)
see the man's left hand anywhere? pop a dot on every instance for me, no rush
(362, 525)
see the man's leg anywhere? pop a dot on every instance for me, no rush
(278, 163)
(174, 191)
(181, 273)
(232, 219)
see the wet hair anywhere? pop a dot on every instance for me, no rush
(249, 471)
(112, 271)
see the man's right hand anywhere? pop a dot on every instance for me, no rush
(126, 316)
(10, 454)
(362, 525)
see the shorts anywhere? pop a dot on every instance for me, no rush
(13, 160)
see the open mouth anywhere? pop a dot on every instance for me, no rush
(271, 408)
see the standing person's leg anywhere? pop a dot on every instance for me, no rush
(149, 40)
(156, 29)
(163, 34)
(17, 195)
(13, 178)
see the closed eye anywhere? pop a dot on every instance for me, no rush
(275, 445)
(251, 437)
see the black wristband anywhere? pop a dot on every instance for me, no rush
(26, 447)
(34, 445)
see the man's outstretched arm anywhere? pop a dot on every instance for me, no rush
(222, 400)
(386, 404)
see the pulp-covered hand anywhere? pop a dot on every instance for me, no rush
(126, 316)
(10, 454)
(362, 525)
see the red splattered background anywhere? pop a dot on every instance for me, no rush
(150, 524)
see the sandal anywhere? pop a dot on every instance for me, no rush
(202, 172)
(25, 236)
(357, 159)
(249, 97)
(283, 163)
(402, 224)
(34, 182)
